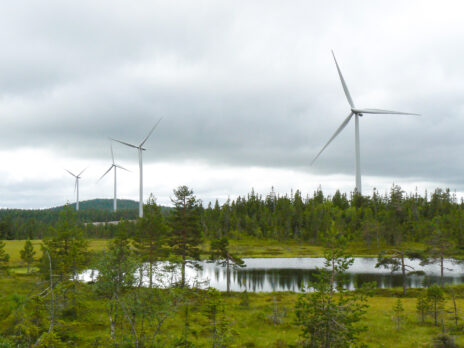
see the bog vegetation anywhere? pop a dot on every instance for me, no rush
(136, 300)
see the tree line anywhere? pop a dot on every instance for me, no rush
(391, 219)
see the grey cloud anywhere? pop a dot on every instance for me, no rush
(239, 84)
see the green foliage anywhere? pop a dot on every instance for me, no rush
(27, 254)
(222, 256)
(4, 257)
(185, 228)
(395, 260)
(423, 306)
(398, 312)
(330, 318)
(151, 236)
(214, 310)
(436, 297)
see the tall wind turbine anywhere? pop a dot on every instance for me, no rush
(357, 112)
(140, 148)
(76, 186)
(115, 166)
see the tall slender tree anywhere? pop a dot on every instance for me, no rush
(4, 257)
(27, 254)
(151, 236)
(185, 228)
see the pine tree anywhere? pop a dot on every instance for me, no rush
(27, 254)
(330, 316)
(4, 257)
(151, 236)
(221, 255)
(68, 252)
(422, 306)
(436, 297)
(186, 231)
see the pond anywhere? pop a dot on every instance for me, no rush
(287, 274)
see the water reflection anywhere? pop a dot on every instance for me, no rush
(288, 274)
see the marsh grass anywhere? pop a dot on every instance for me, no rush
(251, 325)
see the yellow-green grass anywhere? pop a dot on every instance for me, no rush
(247, 247)
(13, 248)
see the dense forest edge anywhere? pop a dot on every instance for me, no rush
(393, 218)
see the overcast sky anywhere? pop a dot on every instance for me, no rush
(248, 92)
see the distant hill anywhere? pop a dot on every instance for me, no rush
(103, 204)
(95, 210)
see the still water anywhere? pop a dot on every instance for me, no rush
(287, 274)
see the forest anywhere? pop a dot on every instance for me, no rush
(392, 218)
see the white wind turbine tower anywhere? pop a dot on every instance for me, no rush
(115, 166)
(76, 186)
(357, 114)
(140, 148)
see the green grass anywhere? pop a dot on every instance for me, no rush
(13, 248)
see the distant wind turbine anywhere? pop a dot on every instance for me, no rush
(76, 186)
(140, 148)
(115, 166)
(357, 113)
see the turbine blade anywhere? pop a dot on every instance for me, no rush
(70, 173)
(343, 125)
(384, 112)
(345, 87)
(121, 167)
(112, 155)
(106, 172)
(82, 171)
(154, 127)
(75, 185)
(122, 142)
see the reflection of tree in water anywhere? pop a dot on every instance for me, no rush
(292, 279)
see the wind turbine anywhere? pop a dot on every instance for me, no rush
(114, 165)
(357, 114)
(140, 148)
(76, 186)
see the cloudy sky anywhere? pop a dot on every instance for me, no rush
(248, 92)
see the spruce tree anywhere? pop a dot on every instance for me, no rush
(398, 311)
(185, 228)
(27, 254)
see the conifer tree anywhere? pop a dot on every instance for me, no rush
(151, 236)
(68, 252)
(398, 311)
(330, 316)
(185, 228)
(221, 255)
(436, 297)
(27, 254)
(4, 257)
